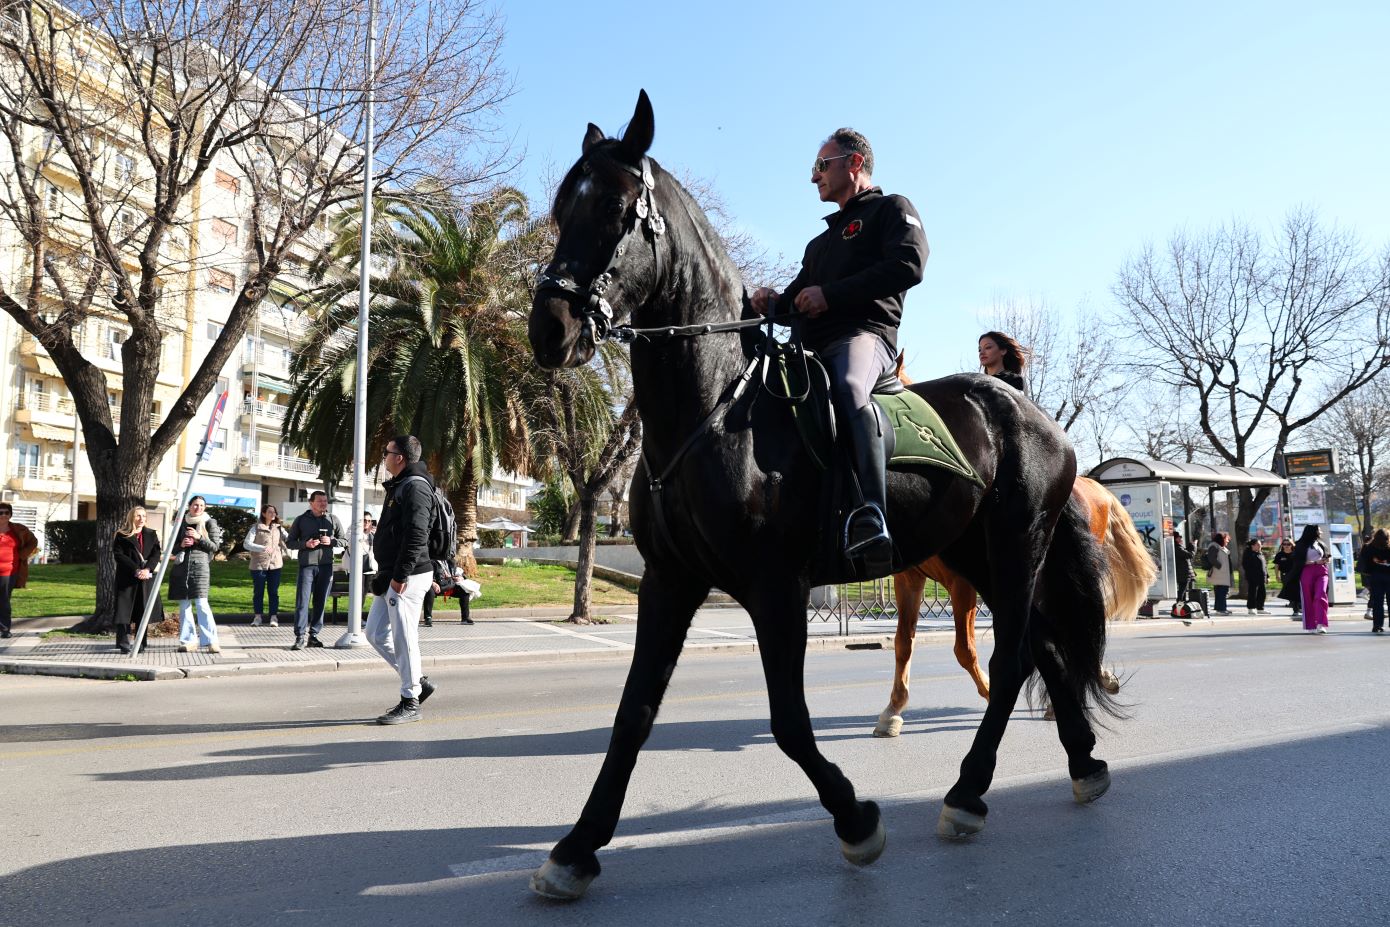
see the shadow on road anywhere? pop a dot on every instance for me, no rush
(1240, 837)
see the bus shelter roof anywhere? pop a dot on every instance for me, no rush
(1138, 469)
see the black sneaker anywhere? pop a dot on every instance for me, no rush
(314, 641)
(466, 620)
(408, 710)
(429, 622)
(426, 688)
(298, 644)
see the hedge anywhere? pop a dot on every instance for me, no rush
(71, 541)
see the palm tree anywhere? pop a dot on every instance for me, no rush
(448, 355)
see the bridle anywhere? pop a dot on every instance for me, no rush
(596, 312)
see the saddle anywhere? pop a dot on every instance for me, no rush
(918, 438)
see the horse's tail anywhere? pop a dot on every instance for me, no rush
(1131, 570)
(1072, 606)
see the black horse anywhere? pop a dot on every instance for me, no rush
(726, 497)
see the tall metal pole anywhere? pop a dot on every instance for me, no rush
(354, 637)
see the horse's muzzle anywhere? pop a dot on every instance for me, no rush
(557, 335)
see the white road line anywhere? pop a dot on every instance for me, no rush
(566, 632)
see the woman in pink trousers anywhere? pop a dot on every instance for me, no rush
(1311, 550)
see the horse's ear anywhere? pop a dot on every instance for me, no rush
(592, 137)
(641, 129)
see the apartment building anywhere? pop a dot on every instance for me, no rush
(46, 476)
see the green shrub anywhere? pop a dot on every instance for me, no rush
(234, 523)
(72, 541)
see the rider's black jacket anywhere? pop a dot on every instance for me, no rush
(864, 263)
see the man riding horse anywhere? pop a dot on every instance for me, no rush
(850, 289)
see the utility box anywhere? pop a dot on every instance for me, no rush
(1341, 585)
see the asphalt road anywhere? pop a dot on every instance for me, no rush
(1249, 788)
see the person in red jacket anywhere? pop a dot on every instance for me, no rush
(17, 545)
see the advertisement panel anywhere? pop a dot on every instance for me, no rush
(1150, 508)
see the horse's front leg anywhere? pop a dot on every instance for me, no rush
(779, 617)
(665, 606)
(907, 591)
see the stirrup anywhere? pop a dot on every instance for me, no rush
(875, 540)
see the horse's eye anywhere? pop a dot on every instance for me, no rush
(613, 207)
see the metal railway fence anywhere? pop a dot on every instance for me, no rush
(874, 602)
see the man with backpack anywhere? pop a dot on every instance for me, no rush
(405, 571)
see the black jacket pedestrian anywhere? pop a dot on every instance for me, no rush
(1253, 568)
(134, 553)
(308, 525)
(1182, 565)
(873, 251)
(1373, 562)
(403, 533)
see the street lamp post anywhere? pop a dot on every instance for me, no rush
(354, 637)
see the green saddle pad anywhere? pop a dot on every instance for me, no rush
(921, 437)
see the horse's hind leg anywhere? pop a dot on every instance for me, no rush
(665, 606)
(780, 621)
(907, 591)
(963, 609)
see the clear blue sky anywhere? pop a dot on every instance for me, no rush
(1042, 143)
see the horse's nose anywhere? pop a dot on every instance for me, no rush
(550, 331)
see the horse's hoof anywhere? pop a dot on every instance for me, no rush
(956, 823)
(561, 883)
(867, 850)
(1091, 787)
(1109, 681)
(889, 724)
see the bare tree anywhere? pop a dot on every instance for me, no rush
(1260, 338)
(116, 114)
(1358, 427)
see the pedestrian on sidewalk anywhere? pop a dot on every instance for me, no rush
(1256, 573)
(1311, 552)
(404, 573)
(316, 535)
(1374, 566)
(136, 552)
(1219, 569)
(1288, 577)
(198, 537)
(17, 545)
(267, 540)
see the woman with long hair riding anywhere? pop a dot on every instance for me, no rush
(1004, 358)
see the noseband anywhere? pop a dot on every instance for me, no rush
(596, 312)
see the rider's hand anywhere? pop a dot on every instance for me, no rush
(762, 298)
(811, 301)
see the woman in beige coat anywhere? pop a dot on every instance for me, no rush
(266, 542)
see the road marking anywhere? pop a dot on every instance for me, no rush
(566, 632)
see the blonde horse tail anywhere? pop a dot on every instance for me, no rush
(1131, 569)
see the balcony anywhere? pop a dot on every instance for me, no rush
(269, 411)
(265, 363)
(282, 465)
(41, 479)
(44, 409)
(116, 418)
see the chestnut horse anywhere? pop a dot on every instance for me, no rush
(1130, 571)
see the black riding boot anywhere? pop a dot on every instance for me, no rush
(866, 528)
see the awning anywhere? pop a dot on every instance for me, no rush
(502, 524)
(1136, 469)
(274, 384)
(236, 502)
(50, 433)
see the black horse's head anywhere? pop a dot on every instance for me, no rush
(607, 255)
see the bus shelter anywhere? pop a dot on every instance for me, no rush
(1145, 489)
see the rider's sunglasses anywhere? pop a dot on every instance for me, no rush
(822, 163)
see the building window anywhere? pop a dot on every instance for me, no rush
(28, 455)
(219, 281)
(115, 337)
(53, 201)
(214, 329)
(126, 223)
(219, 439)
(227, 182)
(225, 231)
(124, 167)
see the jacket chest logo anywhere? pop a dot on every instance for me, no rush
(853, 229)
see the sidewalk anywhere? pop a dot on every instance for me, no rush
(498, 636)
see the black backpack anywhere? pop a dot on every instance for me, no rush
(444, 529)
